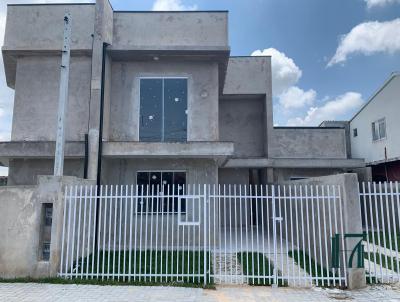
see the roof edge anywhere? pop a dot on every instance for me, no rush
(393, 75)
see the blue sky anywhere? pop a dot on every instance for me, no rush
(328, 56)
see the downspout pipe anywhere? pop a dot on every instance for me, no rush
(99, 156)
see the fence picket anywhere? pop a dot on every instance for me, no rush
(261, 234)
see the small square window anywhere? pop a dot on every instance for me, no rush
(355, 134)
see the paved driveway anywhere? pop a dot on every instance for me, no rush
(54, 292)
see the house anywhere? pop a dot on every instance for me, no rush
(374, 131)
(158, 96)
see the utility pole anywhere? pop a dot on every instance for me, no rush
(63, 97)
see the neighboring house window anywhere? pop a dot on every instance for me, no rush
(355, 133)
(159, 184)
(379, 130)
(163, 110)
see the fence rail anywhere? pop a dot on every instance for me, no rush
(381, 222)
(267, 234)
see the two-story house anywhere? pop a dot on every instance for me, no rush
(374, 131)
(157, 95)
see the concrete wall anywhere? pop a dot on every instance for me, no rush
(40, 27)
(309, 143)
(233, 176)
(383, 105)
(202, 97)
(247, 75)
(123, 171)
(20, 220)
(283, 175)
(26, 171)
(36, 98)
(157, 30)
(241, 121)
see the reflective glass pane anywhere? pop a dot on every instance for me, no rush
(382, 129)
(150, 110)
(175, 106)
(179, 182)
(142, 182)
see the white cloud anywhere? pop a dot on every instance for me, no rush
(381, 3)
(296, 97)
(343, 105)
(285, 73)
(173, 5)
(369, 38)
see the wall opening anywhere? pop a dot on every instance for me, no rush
(45, 231)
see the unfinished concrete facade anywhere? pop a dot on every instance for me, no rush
(226, 132)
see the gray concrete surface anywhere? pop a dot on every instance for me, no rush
(202, 115)
(51, 292)
(241, 121)
(38, 83)
(174, 29)
(21, 213)
(309, 143)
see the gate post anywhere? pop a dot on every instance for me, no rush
(275, 271)
(205, 234)
(352, 225)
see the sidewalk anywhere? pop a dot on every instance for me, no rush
(32, 292)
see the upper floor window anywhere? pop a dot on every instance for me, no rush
(355, 132)
(379, 129)
(163, 110)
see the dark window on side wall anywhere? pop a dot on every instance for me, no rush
(164, 187)
(355, 134)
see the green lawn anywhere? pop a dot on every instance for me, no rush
(386, 261)
(262, 268)
(190, 264)
(385, 239)
(317, 270)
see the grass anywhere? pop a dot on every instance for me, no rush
(263, 269)
(385, 239)
(148, 262)
(386, 261)
(58, 280)
(317, 270)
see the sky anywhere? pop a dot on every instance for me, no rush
(328, 56)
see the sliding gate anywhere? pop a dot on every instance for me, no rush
(235, 234)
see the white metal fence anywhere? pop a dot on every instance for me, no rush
(274, 234)
(381, 222)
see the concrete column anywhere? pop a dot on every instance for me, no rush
(352, 225)
(93, 153)
(268, 112)
(102, 34)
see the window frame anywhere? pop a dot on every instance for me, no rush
(176, 196)
(375, 127)
(155, 77)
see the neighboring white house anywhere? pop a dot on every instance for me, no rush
(374, 131)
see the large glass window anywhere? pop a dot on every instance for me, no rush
(163, 110)
(164, 187)
(379, 130)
